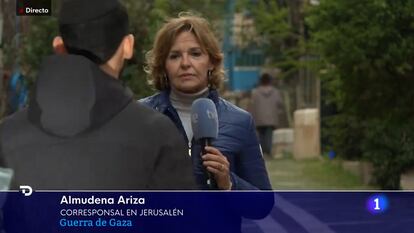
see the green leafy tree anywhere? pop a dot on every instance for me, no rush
(37, 44)
(366, 53)
(278, 38)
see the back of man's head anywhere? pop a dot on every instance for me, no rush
(93, 28)
(265, 79)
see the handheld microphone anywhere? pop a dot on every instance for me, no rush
(204, 122)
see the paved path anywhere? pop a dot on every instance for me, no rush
(288, 174)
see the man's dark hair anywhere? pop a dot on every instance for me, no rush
(93, 28)
(265, 79)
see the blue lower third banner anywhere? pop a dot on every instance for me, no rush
(216, 212)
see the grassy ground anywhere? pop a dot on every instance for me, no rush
(288, 174)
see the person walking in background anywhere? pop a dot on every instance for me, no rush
(265, 106)
(82, 129)
(185, 64)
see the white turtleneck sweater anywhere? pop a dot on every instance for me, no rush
(182, 103)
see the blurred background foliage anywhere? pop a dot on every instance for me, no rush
(366, 56)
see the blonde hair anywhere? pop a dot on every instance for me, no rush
(157, 56)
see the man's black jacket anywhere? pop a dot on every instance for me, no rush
(83, 131)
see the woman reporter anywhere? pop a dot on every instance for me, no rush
(185, 64)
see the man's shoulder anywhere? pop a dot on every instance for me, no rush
(151, 101)
(14, 128)
(144, 112)
(15, 120)
(146, 117)
(15, 116)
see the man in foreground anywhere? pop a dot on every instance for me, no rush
(82, 129)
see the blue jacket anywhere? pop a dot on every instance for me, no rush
(236, 140)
